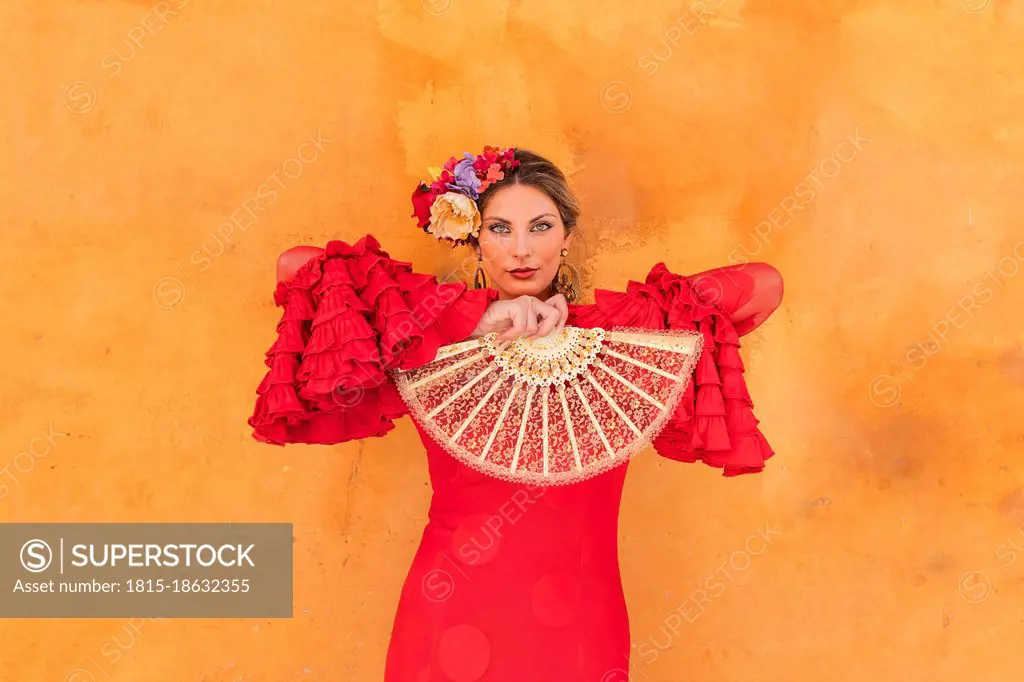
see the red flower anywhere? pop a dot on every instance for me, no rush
(422, 199)
(491, 166)
(494, 175)
(440, 186)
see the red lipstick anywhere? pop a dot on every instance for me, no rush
(523, 273)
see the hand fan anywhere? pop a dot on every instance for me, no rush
(554, 410)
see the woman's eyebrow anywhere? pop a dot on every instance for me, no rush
(499, 219)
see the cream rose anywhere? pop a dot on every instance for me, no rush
(454, 215)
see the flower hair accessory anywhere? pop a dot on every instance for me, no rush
(447, 207)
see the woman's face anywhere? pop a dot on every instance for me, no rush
(521, 239)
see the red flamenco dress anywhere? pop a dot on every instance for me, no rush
(510, 582)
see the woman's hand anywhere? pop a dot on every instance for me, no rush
(523, 316)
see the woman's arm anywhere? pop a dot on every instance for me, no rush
(328, 379)
(749, 293)
(714, 421)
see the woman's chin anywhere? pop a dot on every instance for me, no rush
(510, 287)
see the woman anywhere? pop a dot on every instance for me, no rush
(510, 581)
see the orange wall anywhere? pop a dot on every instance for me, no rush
(130, 139)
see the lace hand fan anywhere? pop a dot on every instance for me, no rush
(553, 410)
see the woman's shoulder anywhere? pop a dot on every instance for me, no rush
(664, 291)
(291, 260)
(639, 303)
(366, 250)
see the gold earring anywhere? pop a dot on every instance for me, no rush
(479, 278)
(566, 282)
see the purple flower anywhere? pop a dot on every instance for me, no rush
(466, 180)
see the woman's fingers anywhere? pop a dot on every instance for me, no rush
(533, 318)
(532, 311)
(559, 302)
(517, 328)
(549, 315)
(518, 315)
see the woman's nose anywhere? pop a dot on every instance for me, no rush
(521, 245)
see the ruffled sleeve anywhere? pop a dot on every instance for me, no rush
(714, 422)
(350, 315)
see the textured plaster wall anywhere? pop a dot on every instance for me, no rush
(871, 150)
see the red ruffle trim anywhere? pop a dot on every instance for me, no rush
(714, 422)
(350, 315)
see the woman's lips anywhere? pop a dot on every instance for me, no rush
(523, 273)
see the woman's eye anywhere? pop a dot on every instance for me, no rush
(504, 229)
